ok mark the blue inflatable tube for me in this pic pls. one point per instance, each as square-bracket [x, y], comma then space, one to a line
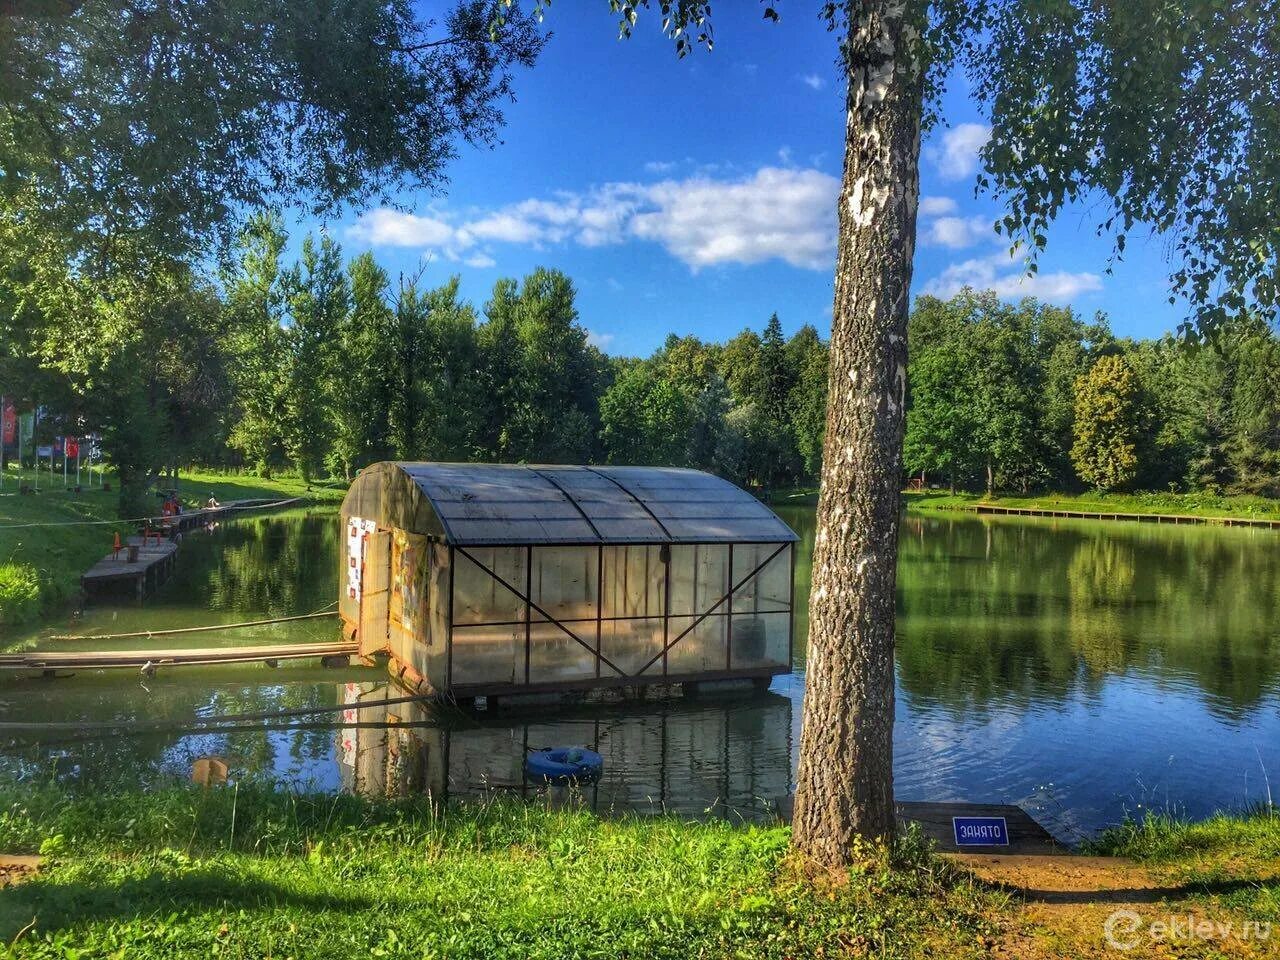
[564, 765]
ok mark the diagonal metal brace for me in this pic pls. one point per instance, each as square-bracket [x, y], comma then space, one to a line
[550, 619]
[711, 609]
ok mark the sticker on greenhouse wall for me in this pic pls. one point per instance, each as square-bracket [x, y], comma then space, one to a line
[980, 831]
[356, 530]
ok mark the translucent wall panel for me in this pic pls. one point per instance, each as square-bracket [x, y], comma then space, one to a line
[700, 650]
[634, 582]
[770, 589]
[630, 644]
[761, 640]
[410, 561]
[480, 598]
[430, 658]
[699, 577]
[488, 654]
[554, 656]
[564, 582]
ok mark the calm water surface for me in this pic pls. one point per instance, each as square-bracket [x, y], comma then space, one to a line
[1083, 670]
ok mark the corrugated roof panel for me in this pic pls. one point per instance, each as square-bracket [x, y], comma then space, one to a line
[516, 504]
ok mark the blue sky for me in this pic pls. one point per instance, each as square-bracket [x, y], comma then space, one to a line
[698, 196]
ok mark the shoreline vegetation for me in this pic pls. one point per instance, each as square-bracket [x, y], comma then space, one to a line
[247, 870]
[40, 566]
[1166, 504]
[1151, 503]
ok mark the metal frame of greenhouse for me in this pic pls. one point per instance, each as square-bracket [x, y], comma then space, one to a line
[487, 579]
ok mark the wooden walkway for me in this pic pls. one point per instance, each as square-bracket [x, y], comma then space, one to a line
[114, 573]
[55, 660]
[1026, 836]
[991, 508]
[155, 562]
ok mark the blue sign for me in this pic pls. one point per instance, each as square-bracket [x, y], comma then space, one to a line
[980, 831]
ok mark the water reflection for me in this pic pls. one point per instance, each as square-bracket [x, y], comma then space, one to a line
[1006, 612]
[1079, 668]
[728, 757]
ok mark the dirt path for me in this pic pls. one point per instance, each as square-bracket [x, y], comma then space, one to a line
[16, 867]
[1077, 906]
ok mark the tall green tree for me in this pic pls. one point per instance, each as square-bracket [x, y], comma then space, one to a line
[455, 400]
[407, 385]
[361, 392]
[548, 377]
[807, 360]
[255, 313]
[1106, 424]
[318, 301]
[646, 418]
[164, 120]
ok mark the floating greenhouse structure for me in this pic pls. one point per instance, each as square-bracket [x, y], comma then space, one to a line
[491, 580]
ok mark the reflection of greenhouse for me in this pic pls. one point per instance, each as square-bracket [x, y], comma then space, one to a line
[682, 756]
[481, 579]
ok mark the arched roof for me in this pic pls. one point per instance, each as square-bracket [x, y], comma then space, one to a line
[488, 504]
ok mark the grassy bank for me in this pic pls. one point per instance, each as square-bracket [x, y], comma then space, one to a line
[40, 566]
[260, 873]
[255, 872]
[1181, 504]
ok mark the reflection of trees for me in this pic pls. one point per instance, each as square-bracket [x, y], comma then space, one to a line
[974, 629]
[268, 566]
[1015, 610]
[1102, 601]
[102, 757]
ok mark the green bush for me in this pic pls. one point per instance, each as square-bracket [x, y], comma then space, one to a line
[19, 593]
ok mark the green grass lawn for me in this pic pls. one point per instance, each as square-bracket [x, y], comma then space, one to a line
[257, 873]
[40, 566]
[1184, 504]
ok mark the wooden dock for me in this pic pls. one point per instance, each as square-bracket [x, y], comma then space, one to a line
[114, 573]
[59, 660]
[1026, 836]
[155, 562]
[1270, 523]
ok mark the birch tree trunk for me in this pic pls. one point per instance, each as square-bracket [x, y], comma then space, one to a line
[845, 780]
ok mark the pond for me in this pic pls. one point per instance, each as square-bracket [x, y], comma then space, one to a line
[1084, 670]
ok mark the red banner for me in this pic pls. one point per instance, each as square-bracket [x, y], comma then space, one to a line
[8, 425]
[72, 447]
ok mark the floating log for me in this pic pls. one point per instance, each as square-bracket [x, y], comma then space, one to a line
[48, 660]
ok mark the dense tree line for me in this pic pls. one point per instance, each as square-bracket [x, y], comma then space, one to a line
[1028, 396]
[325, 366]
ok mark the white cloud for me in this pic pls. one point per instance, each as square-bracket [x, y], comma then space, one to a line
[813, 81]
[936, 206]
[659, 166]
[394, 228]
[957, 232]
[1005, 276]
[957, 156]
[775, 213]
[787, 215]
[600, 341]
[481, 261]
[784, 156]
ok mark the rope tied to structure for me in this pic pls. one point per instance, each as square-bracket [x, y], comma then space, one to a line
[211, 511]
[202, 629]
